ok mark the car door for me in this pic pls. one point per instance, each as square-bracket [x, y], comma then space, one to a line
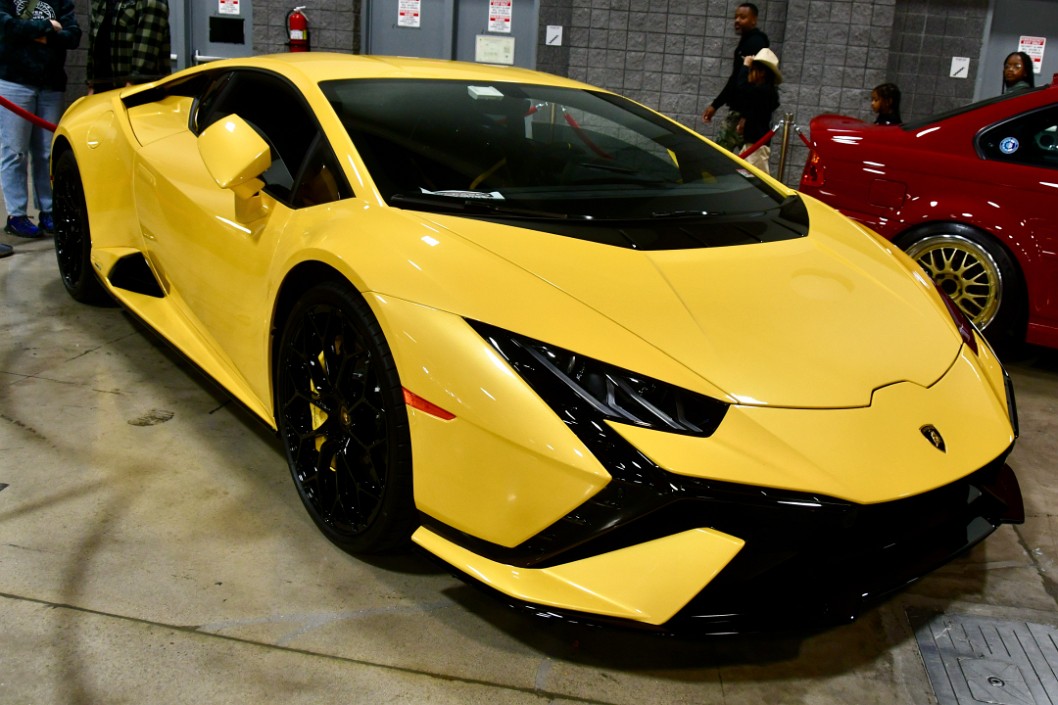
[214, 268]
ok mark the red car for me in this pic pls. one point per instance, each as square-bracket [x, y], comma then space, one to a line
[971, 195]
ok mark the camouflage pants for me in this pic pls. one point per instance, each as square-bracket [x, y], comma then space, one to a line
[727, 134]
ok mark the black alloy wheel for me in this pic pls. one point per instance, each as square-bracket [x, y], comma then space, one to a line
[73, 241]
[341, 415]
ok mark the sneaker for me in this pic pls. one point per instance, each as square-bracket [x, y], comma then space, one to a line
[6, 250]
[21, 226]
[46, 223]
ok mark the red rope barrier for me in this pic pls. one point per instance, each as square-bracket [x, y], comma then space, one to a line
[22, 112]
[758, 144]
[579, 132]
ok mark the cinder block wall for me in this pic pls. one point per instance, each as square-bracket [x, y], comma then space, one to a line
[675, 56]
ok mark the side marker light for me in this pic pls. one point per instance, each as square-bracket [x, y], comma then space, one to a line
[416, 402]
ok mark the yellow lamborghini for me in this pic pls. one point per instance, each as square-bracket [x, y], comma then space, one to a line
[562, 343]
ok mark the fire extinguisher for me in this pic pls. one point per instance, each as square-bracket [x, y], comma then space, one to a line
[298, 29]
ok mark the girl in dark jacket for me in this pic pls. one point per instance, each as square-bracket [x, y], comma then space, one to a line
[1018, 72]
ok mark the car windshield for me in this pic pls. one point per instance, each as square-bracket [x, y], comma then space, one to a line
[538, 152]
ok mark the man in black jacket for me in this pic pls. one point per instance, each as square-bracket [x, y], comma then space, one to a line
[751, 41]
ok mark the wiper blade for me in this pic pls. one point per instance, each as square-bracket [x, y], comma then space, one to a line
[426, 201]
[686, 214]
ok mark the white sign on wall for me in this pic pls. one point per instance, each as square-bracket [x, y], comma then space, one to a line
[1033, 46]
[228, 7]
[960, 67]
[408, 13]
[494, 50]
[500, 16]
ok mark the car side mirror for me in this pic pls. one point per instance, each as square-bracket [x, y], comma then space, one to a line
[235, 156]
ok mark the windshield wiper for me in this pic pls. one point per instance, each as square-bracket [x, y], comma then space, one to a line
[471, 205]
[686, 214]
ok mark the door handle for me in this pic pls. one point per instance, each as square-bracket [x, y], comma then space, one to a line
[202, 58]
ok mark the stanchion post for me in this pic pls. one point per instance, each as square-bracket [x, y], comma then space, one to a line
[787, 123]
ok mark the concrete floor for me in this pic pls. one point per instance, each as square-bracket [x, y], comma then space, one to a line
[153, 550]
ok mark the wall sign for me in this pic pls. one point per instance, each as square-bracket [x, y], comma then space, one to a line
[408, 13]
[494, 50]
[960, 67]
[500, 16]
[1033, 46]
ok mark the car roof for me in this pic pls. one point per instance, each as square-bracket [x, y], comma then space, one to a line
[326, 66]
[1017, 96]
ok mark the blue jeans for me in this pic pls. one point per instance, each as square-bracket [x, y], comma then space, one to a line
[20, 139]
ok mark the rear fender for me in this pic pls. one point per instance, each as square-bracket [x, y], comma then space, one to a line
[919, 212]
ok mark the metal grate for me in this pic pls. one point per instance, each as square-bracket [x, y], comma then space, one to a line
[972, 660]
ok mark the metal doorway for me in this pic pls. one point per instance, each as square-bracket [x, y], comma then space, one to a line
[487, 31]
[207, 30]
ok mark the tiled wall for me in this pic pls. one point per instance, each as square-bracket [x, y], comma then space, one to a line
[334, 25]
[927, 34]
[676, 55]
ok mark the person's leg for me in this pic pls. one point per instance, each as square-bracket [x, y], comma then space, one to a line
[14, 147]
[727, 135]
[49, 107]
[760, 158]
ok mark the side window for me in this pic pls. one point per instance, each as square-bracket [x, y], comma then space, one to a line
[321, 180]
[279, 114]
[204, 112]
[1027, 139]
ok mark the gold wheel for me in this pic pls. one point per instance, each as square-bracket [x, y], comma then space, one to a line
[965, 271]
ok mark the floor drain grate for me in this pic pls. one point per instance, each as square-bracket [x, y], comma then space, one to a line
[972, 660]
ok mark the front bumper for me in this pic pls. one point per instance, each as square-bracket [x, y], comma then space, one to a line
[797, 562]
[826, 570]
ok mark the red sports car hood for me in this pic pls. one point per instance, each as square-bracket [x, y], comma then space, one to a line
[815, 322]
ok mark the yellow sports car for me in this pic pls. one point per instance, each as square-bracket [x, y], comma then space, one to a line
[562, 343]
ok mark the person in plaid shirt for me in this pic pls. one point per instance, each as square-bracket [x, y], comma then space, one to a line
[128, 42]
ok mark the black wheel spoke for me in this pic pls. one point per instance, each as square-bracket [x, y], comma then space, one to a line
[334, 415]
[73, 242]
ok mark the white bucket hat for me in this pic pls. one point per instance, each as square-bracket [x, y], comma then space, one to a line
[769, 59]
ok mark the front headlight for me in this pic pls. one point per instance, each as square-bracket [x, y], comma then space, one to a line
[566, 381]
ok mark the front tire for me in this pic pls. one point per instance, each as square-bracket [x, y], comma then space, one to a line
[976, 272]
[73, 240]
[341, 415]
